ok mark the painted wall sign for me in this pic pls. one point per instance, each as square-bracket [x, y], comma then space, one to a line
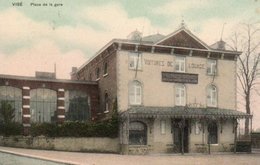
[196, 66]
[180, 77]
[171, 64]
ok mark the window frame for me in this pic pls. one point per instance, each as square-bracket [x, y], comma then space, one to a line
[213, 131]
[136, 58]
[40, 98]
[105, 69]
[73, 109]
[135, 133]
[163, 127]
[212, 92]
[135, 96]
[97, 73]
[179, 90]
[211, 67]
[180, 62]
[106, 103]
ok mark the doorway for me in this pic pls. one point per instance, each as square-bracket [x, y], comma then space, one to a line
[180, 130]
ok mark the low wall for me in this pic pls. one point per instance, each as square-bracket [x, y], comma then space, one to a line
[256, 139]
[63, 144]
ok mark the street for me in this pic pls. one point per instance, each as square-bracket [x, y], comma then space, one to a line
[106, 159]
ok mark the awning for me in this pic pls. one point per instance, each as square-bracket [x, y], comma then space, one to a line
[182, 112]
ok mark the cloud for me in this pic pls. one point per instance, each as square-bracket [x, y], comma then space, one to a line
[36, 45]
[114, 20]
[180, 7]
[41, 57]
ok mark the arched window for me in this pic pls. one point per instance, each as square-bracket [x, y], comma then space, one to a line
[12, 96]
[213, 133]
[135, 93]
[77, 107]
[137, 133]
[43, 105]
[106, 103]
[212, 96]
[180, 95]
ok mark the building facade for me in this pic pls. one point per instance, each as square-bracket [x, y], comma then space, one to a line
[45, 99]
[174, 93]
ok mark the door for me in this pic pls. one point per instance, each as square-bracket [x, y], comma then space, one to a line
[180, 130]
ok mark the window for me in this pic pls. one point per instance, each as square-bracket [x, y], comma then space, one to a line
[97, 73]
[77, 106]
[12, 96]
[105, 69]
[180, 95]
[135, 61]
[212, 96]
[180, 64]
[106, 103]
[213, 133]
[43, 105]
[163, 126]
[212, 67]
[197, 127]
[135, 93]
[90, 76]
[137, 133]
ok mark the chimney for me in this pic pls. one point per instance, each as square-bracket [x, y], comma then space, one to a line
[73, 73]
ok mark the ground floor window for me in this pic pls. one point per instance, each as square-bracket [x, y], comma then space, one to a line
[137, 133]
[11, 96]
[213, 133]
[43, 105]
[77, 106]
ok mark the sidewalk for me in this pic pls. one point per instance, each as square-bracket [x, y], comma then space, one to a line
[107, 159]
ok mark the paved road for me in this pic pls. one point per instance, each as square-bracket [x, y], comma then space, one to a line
[107, 159]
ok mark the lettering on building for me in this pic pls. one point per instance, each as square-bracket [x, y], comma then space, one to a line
[196, 66]
[180, 77]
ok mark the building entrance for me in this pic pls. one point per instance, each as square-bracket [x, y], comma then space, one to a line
[180, 130]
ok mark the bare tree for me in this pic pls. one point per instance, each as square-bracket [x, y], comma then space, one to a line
[246, 39]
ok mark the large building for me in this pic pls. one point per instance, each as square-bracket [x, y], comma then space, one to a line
[174, 93]
[45, 99]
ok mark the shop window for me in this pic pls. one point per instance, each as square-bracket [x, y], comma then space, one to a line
[213, 133]
[77, 106]
[135, 60]
[211, 67]
[12, 96]
[163, 126]
[43, 105]
[212, 96]
[180, 95]
[135, 93]
[180, 64]
[137, 133]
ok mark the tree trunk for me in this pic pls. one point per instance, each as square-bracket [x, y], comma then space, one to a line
[248, 111]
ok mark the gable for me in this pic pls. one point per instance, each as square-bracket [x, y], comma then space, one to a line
[183, 39]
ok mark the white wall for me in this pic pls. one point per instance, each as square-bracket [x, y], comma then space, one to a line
[158, 93]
